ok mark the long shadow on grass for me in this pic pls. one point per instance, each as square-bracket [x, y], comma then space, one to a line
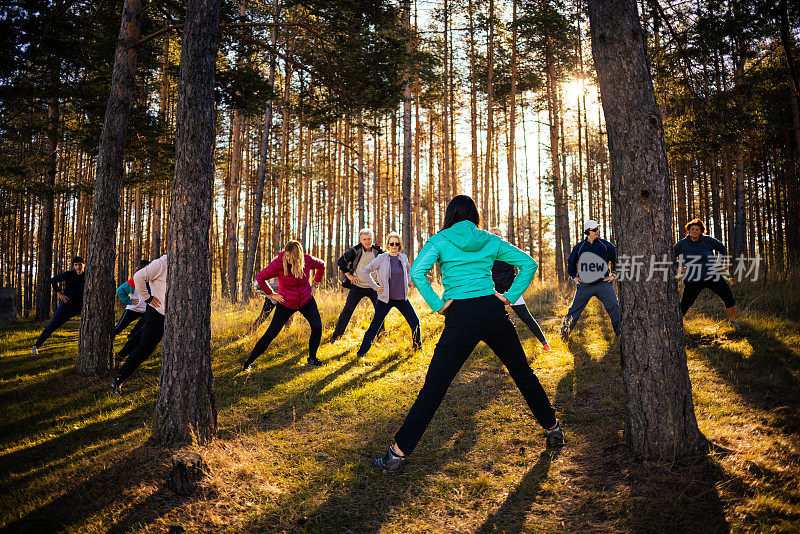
[614, 489]
[305, 401]
[104, 492]
[510, 517]
[766, 379]
[366, 498]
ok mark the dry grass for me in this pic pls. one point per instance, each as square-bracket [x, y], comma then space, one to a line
[294, 442]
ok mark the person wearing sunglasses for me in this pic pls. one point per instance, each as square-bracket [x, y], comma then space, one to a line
[474, 311]
[392, 269]
[503, 275]
[588, 266]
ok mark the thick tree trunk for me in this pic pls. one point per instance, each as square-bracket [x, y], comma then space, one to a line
[793, 174]
[408, 222]
[44, 269]
[660, 420]
[95, 341]
[185, 408]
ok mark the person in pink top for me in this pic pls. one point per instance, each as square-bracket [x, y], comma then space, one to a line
[292, 269]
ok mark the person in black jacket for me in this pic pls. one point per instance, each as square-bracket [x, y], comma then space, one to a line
[503, 275]
[588, 266]
[70, 300]
[352, 264]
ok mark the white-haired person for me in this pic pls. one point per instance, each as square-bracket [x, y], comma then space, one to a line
[292, 268]
[352, 264]
[392, 270]
[503, 275]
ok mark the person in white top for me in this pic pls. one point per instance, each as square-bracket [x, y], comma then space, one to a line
[134, 304]
[151, 283]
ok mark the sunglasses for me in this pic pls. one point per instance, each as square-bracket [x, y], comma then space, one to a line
[594, 229]
[395, 244]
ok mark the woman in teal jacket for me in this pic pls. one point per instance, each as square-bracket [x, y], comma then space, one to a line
[473, 312]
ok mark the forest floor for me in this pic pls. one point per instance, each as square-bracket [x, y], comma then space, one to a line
[294, 443]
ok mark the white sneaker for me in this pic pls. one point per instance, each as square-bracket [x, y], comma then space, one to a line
[34, 351]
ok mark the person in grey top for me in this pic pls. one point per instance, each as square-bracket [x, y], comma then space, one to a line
[352, 264]
[698, 253]
[392, 269]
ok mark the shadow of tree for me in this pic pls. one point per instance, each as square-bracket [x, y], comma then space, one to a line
[510, 517]
[611, 489]
[102, 493]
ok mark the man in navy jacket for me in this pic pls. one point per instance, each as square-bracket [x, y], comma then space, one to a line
[588, 266]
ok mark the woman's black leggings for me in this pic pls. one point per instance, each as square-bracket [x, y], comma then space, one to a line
[691, 290]
[146, 338]
[282, 314]
[128, 316]
[524, 313]
[467, 322]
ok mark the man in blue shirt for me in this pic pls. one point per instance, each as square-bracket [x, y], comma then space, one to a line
[588, 266]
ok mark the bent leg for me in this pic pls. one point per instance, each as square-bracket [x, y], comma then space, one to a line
[691, 290]
[63, 313]
[282, 314]
[407, 309]
[583, 295]
[381, 310]
[150, 336]
[311, 312]
[354, 296]
[128, 316]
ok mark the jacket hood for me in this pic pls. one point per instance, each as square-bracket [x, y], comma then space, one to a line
[466, 236]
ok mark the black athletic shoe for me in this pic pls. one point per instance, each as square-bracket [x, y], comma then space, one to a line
[116, 386]
[314, 361]
[555, 436]
[389, 463]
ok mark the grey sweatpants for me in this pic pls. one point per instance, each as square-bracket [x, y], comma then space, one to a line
[604, 291]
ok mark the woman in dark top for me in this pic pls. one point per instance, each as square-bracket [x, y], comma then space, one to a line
[392, 269]
[71, 300]
[503, 275]
[698, 252]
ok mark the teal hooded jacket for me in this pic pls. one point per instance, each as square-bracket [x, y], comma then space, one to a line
[466, 255]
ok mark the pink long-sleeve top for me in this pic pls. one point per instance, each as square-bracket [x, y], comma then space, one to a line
[296, 291]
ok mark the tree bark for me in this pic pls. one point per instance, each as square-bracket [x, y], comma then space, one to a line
[408, 222]
[248, 269]
[512, 126]
[47, 221]
[487, 178]
[659, 412]
[186, 409]
[95, 341]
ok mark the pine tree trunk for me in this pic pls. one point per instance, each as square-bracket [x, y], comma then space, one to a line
[487, 178]
[248, 269]
[512, 126]
[659, 412]
[95, 341]
[185, 407]
[408, 222]
[47, 222]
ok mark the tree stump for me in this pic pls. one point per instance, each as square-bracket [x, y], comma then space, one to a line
[188, 468]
